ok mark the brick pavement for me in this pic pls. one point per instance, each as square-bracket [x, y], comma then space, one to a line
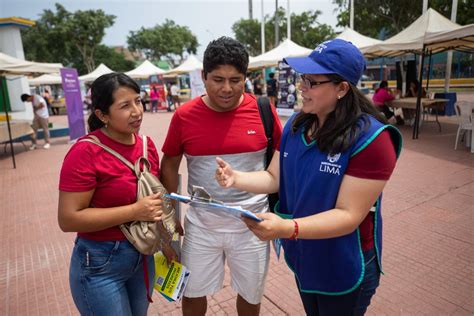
[428, 254]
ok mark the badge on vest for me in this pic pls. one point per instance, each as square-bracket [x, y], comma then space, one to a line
[331, 165]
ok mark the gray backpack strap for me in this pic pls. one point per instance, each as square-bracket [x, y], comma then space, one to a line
[94, 140]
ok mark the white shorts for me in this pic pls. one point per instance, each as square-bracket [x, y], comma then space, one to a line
[204, 253]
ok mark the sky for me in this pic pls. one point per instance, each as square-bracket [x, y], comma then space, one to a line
[207, 19]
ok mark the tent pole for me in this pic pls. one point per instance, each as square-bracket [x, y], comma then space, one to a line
[5, 96]
[429, 71]
[416, 126]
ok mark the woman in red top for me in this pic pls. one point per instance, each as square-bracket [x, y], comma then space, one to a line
[97, 193]
[381, 97]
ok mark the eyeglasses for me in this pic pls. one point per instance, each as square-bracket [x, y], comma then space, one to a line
[310, 83]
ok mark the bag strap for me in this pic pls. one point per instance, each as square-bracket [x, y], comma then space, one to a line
[94, 140]
[266, 114]
[145, 148]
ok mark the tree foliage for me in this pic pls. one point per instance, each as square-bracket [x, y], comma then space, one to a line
[167, 40]
[305, 30]
[113, 59]
[87, 29]
[371, 16]
[67, 38]
[47, 40]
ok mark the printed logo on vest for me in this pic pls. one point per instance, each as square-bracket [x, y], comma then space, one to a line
[334, 158]
[285, 154]
[331, 166]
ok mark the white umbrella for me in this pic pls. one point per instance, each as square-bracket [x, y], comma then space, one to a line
[96, 73]
[271, 58]
[145, 70]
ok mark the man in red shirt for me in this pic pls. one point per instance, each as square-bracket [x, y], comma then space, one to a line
[224, 122]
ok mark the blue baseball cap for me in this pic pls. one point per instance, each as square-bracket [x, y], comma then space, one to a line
[336, 56]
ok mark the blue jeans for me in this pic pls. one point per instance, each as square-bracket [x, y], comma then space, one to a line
[354, 303]
[107, 278]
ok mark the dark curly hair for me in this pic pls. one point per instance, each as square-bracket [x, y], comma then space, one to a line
[225, 51]
[102, 95]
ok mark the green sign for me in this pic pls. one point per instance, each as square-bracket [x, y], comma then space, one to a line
[4, 98]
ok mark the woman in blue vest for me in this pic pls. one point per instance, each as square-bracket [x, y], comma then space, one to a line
[336, 155]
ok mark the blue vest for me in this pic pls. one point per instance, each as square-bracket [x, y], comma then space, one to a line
[309, 184]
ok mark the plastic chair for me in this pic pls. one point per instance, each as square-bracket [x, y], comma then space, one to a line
[466, 121]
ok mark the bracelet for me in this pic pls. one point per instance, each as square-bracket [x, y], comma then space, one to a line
[295, 232]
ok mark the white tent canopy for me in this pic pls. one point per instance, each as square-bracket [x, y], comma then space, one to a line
[14, 66]
[45, 79]
[96, 73]
[190, 64]
[412, 39]
[359, 40]
[461, 39]
[145, 70]
[271, 58]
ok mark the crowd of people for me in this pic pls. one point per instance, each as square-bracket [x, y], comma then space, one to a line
[328, 218]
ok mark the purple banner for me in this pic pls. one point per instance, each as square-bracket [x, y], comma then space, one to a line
[72, 94]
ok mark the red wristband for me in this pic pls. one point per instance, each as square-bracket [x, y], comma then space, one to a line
[295, 232]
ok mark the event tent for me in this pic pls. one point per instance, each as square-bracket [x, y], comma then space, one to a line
[461, 39]
[96, 73]
[412, 39]
[145, 70]
[14, 66]
[359, 40]
[425, 37]
[287, 48]
[190, 64]
[45, 79]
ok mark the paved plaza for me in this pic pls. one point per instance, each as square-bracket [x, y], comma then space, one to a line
[428, 234]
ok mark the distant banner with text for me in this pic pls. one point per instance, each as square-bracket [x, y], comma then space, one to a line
[74, 107]
[287, 90]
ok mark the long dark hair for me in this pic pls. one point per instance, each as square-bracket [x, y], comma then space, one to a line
[341, 128]
[102, 95]
[383, 84]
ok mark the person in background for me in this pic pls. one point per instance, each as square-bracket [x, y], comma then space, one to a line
[97, 193]
[409, 114]
[248, 84]
[413, 91]
[88, 101]
[154, 99]
[381, 97]
[145, 99]
[258, 85]
[175, 95]
[169, 98]
[225, 121]
[334, 160]
[47, 97]
[40, 119]
[272, 88]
